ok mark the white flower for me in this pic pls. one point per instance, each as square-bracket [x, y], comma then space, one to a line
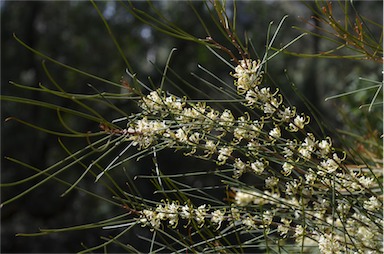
[243, 198]
[161, 212]
[212, 115]
[299, 233]
[168, 211]
[367, 236]
[142, 125]
[249, 222]
[152, 102]
[271, 106]
[267, 217]
[310, 177]
[195, 138]
[226, 118]
[325, 147]
[248, 66]
[174, 104]
[305, 152]
[258, 167]
[343, 209]
[287, 169]
[275, 133]
[210, 147]
[283, 229]
[189, 114]
[264, 94]
[286, 115]
[299, 121]
[239, 133]
[240, 167]
[143, 132]
[329, 245]
[200, 214]
[217, 217]
[224, 154]
[291, 187]
[248, 75]
[372, 204]
[151, 218]
[181, 135]
[235, 214]
[288, 153]
[366, 182]
[251, 97]
[329, 165]
[309, 142]
[186, 212]
[157, 127]
[172, 211]
[271, 182]
[336, 158]
[256, 126]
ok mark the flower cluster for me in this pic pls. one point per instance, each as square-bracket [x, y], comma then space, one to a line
[302, 173]
[171, 212]
[201, 215]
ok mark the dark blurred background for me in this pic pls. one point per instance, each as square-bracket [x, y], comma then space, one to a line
[73, 33]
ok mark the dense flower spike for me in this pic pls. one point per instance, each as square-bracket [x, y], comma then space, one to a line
[304, 177]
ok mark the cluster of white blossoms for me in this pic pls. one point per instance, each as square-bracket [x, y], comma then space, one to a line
[304, 177]
[202, 215]
[172, 212]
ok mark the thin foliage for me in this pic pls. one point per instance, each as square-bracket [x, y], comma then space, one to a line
[269, 183]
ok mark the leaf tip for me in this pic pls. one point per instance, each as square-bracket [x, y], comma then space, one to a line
[9, 119]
